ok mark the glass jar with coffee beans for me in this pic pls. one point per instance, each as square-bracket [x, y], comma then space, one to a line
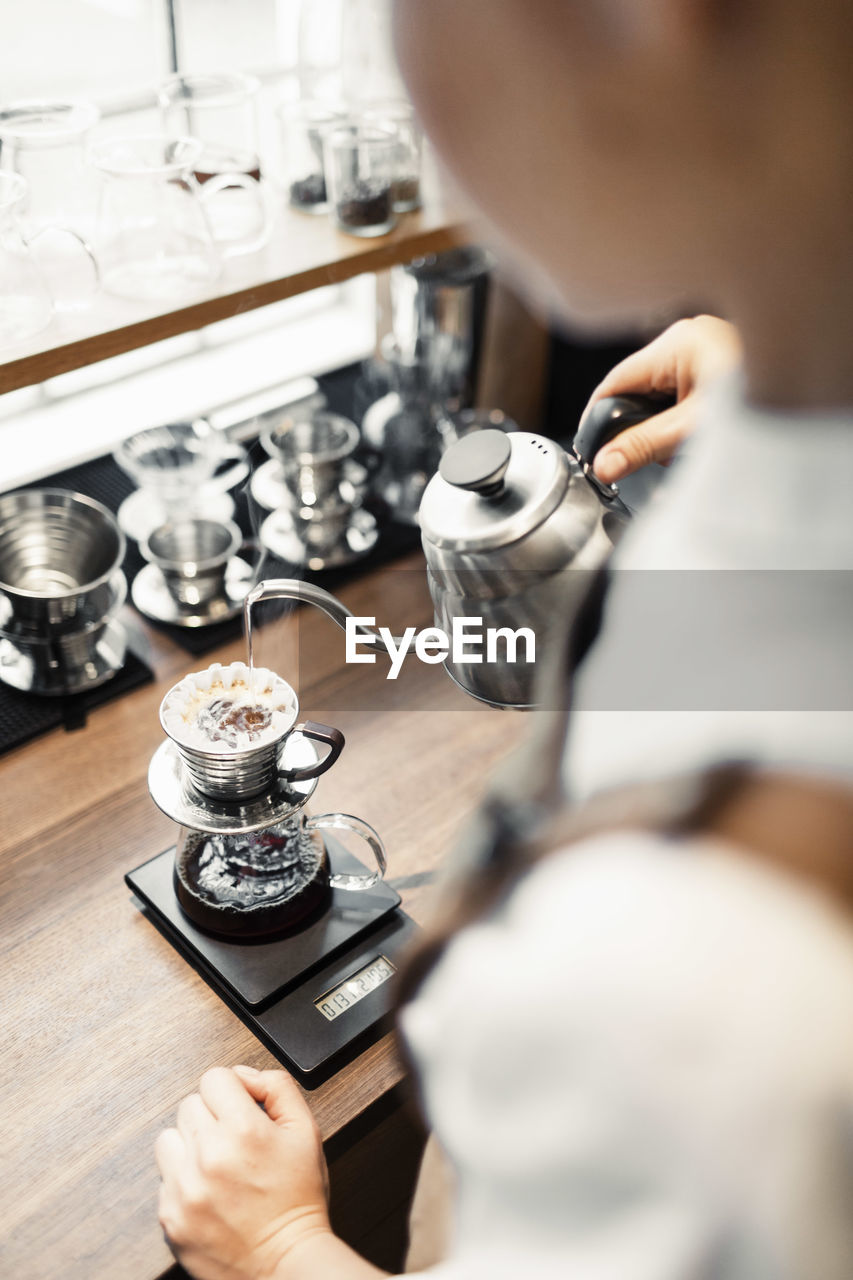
[360, 167]
[398, 116]
[303, 126]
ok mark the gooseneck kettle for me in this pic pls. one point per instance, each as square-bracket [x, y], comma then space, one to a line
[512, 526]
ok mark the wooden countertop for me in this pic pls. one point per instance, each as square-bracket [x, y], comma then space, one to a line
[106, 1028]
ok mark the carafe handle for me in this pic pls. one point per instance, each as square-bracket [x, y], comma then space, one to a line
[222, 481]
[347, 822]
[85, 249]
[333, 739]
[214, 186]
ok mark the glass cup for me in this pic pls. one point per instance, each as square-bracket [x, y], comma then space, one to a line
[44, 141]
[220, 110]
[398, 116]
[303, 127]
[153, 241]
[360, 160]
[26, 306]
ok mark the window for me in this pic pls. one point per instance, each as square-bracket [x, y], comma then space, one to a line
[115, 52]
[103, 50]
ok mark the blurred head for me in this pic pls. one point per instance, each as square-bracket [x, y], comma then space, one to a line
[642, 152]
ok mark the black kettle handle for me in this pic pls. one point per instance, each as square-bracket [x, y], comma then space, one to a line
[608, 417]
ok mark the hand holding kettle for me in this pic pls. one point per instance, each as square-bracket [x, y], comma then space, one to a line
[678, 362]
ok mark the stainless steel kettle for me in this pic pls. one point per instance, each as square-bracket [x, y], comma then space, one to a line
[511, 526]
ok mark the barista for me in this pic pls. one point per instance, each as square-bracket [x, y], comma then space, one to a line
[641, 1062]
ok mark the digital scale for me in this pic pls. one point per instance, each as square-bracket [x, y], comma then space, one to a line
[315, 997]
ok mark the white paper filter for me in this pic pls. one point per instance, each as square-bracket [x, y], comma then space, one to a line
[183, 712]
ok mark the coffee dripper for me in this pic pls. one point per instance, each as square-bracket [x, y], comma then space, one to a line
[182, 470]
[320, 520]
[249, 862]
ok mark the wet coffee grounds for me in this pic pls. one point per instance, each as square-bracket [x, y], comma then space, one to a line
[222, 721]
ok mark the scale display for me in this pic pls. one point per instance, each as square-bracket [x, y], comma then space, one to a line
[335, 1002]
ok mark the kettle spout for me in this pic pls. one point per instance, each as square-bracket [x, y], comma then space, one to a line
[307, 593]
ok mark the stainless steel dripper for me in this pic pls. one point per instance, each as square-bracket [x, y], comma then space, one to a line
[61, 588]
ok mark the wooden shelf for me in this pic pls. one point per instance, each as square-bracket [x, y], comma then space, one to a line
[303, 253]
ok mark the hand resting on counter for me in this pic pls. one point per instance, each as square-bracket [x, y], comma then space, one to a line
[244, 1194]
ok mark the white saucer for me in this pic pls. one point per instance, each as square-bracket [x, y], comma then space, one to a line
[141, 513]
[153, 599]
[279, 535]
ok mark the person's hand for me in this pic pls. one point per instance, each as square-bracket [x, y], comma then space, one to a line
[679, 361]
[242, 1187]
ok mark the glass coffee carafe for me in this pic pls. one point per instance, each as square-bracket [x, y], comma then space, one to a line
[262, 882]
[219, 110]
[44, 140]
[406, 429]
[153, 239]
[26, 306]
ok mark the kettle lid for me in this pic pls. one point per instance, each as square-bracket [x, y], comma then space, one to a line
[493, 488]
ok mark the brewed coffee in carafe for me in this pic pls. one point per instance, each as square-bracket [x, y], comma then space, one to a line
[252, 883]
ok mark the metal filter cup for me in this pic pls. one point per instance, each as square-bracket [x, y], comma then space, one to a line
[235, 777]
[193, 557]
[58, 663]
[59, 552]
[237, 760]
[313, 454]
[241, 768]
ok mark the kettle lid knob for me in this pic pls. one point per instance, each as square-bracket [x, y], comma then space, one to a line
[478, 462]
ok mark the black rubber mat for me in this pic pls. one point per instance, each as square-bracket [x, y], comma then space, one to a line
[105, 481]
[26, 715]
